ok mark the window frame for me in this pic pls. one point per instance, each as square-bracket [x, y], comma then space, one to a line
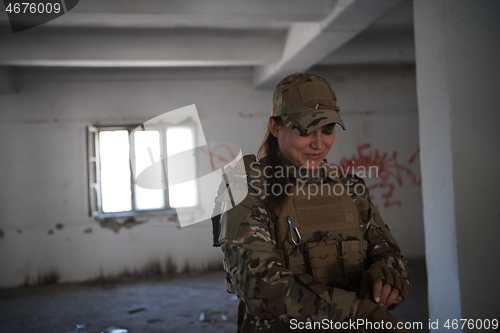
[94, 167]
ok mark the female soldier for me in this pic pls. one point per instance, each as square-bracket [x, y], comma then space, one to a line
[306, 249]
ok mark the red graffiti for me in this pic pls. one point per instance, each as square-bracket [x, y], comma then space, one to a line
[219, 159]
[389, 171]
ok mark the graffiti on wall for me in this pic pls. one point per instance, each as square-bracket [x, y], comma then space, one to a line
[220, 154]
[390, 172]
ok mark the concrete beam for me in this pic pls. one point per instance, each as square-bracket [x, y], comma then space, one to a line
[255, 14]
[206, 7]
[137, 50]
[308, 43]
[372, 48]
[172, 21]
[6, 80]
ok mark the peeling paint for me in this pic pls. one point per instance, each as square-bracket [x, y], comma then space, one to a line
[27, 280]
[187, 268]
[171, 267]
[51, 277]
[172, 218]
[152, 269]
[116, 223]
[25, 270]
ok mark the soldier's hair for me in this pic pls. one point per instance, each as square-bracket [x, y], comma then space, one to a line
[269, 149]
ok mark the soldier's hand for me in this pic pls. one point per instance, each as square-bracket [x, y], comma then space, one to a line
[385, 294]
[384, 285]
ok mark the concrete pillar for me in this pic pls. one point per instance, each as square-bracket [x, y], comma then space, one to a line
[6, 80]
[458, 84]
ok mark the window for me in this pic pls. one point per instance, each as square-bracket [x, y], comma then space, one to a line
[117, 155]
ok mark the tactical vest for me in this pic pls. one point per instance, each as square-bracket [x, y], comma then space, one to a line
[317, 232]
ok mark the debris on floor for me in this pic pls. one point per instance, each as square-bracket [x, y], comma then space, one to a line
[136, 310]
[155, 320]
[177, 301]
[204, 316]
[79, 328]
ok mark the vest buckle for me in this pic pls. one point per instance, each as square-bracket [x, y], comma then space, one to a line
[291, 228]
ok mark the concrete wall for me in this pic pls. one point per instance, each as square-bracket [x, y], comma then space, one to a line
[45, 228]
[458, 77]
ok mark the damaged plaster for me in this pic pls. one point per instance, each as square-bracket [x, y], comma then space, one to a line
[116, 223]
[49, 277]
[155, 269]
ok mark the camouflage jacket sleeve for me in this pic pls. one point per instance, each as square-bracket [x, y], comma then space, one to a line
[382, 246]
[267, 288]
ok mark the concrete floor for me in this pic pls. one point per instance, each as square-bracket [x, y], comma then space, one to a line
[190, 303]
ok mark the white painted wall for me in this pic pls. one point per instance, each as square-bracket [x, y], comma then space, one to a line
[44, 170]
[458, 76]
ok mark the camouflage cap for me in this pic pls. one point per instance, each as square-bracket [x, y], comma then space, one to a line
[305, 102]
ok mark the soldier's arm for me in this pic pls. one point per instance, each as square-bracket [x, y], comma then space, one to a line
[267, 288]
[383, 248]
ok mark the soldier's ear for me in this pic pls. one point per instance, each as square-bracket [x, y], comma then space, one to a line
[273, 127]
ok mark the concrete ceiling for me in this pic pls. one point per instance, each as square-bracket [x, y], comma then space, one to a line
[273, 37]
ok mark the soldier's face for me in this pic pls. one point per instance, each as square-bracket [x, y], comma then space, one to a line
[304, 151]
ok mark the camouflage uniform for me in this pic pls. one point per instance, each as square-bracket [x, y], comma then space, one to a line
[270, 295]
